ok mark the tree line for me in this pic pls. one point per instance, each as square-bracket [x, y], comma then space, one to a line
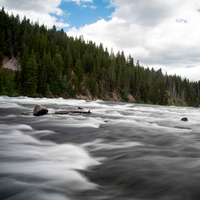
[54, 63]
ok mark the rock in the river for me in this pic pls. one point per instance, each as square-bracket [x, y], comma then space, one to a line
[24, 113]
[185, 119]
[39, 110]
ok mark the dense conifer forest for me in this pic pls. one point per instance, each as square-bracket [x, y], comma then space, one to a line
[55, 64]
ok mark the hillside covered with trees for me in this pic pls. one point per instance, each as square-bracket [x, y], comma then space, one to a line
[53, 63]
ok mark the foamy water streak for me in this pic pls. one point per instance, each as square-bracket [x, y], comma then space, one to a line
[30, 167]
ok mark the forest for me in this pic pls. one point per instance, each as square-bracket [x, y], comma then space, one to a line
[55, 64]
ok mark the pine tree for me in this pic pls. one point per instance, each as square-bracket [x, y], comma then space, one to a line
[112, 75]
[163, 100]
[94, 71]
[120, 78]
[45, 72]
[2, 41]
[76, 52]
[150, 92]
[1, 82]
[143, 91]
[98, 71]
[24, 70]
[30, 79]
[1, 59]
[57, 66]
[70, 90]
[68, 62]
[77, 85]
[79, 70]
[96, 90]
[15, 49]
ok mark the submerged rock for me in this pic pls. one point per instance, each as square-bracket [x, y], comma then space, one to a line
[39, 110]
[24, 113]
[185, 119]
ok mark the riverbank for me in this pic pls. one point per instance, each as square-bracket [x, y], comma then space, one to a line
[12, 66]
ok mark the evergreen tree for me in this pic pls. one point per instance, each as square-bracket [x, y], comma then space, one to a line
[98, 71]
[112, 75]
[15, 49]
[2, 41]
[163, 100]
[45, 72]
[77, 85]
[79, 70]
[1, 82]
[1, 59]
[96, 90]
[155, 95]
[24, 69]
[30, 79]
[143, 91]
[57, 66]
[70, 90]
[120, 78]
[68, 62]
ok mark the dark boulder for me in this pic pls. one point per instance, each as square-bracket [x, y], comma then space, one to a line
[185, 119]
[39, 110]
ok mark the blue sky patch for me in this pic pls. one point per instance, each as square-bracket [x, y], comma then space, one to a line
[190, 66]
[85, 13]
[181, 20]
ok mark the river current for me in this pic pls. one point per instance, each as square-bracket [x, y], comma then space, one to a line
[120, 151]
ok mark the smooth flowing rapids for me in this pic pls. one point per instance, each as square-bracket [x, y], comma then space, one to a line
[120, 151]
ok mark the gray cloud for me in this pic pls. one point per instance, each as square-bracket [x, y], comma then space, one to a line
[78, 2]
[23, 5]
[143, 12]
[38, 6]
[37, 10]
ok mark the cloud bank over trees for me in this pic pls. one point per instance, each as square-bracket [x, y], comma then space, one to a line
[160, 34]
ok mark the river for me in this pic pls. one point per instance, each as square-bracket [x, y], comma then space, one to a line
[120, 151]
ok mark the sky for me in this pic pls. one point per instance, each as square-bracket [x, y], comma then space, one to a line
[159, 33]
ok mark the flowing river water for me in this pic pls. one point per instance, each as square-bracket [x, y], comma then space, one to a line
[120, 151]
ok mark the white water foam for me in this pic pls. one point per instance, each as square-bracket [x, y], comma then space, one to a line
[99, 144]
[26, 159]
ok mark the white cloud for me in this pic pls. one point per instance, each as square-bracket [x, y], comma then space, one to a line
[37, 10]
[150, 32]
[92, 7]
[78, 2]
[190, 73]
[147, 13]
